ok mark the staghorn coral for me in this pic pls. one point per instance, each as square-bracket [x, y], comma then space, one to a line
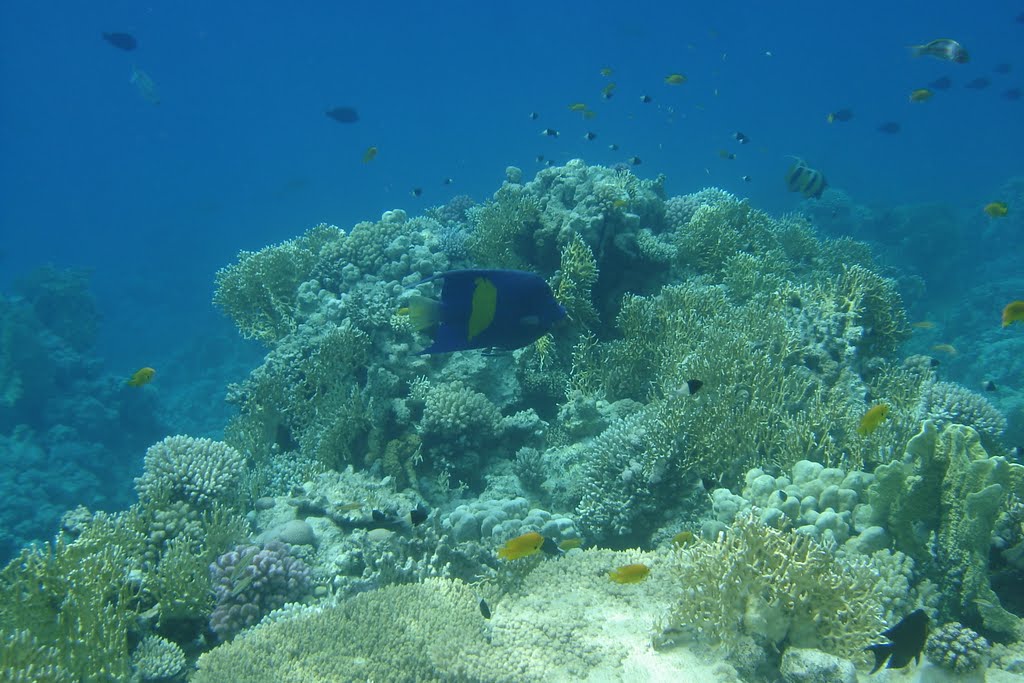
[775, 587]
[198, 471]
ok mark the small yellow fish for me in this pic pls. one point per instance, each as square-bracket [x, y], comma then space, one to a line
[141, 376]
[629, 573]
[945, 348]
[608, 90]
[921, 95]
[685, 537]
[1013, 313]
[619, 203]
[349, 507]
[570, 543]
[996, 209]
[577, 106]
[872, 418]
[923, 325]
[369, 155]
[521, 546]
[589, 114]
[675, 79]
[606, 71]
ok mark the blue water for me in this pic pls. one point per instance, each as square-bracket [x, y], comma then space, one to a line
[238, 154]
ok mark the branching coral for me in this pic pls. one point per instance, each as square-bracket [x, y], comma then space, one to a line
[503, 228]
[773, 586]
[259, 292]
[949, 403]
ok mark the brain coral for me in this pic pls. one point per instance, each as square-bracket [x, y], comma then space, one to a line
[198, 471]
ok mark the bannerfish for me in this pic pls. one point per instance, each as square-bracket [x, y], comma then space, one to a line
[842, 115]
[343, 114]
[141, 376]
[504, 309]
[803, 179]
[145, 85]
[943, 48]
[907, 641]
[124, 41]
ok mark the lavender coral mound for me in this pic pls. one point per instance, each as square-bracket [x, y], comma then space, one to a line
[250, 582]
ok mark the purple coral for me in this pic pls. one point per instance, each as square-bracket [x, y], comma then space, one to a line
[249, 582]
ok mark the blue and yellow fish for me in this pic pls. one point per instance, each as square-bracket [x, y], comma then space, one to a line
[502, 309]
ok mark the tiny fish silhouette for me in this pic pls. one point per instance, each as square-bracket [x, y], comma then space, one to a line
[343, 114]
[124, 41]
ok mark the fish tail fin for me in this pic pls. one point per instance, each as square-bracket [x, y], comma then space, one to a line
[915, 50]
[881, 652]
[423, 313]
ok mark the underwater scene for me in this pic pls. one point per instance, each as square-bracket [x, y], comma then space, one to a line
[477, 342]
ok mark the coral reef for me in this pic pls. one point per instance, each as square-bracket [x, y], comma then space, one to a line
[157, 659]
[940, 503]
[775, 587]
[250, 582]
[957, 648]
[196, 471]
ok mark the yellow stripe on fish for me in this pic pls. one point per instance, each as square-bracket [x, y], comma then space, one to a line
[483, 306]
[802, 178]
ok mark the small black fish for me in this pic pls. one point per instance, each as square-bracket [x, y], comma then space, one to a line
[842, 115]
[908, 638]
[1013, 94]
[783, 496]
[549, 547]
[447, 181]
[419, 514]
[691, 387]
[745, 178]
[589, 135]
[484, 609]
[539, 158]
[613, 147]
[1003, 68]
[943, 83]
[934, 362]
[646, 99]
[550, 132]
[125, 41]
[416, 192]
[890, 127]
[343, 114]
[534, 116]
[741, 138]
[990, 386]
[1017, 452]
[634, 161]
[979, 83]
